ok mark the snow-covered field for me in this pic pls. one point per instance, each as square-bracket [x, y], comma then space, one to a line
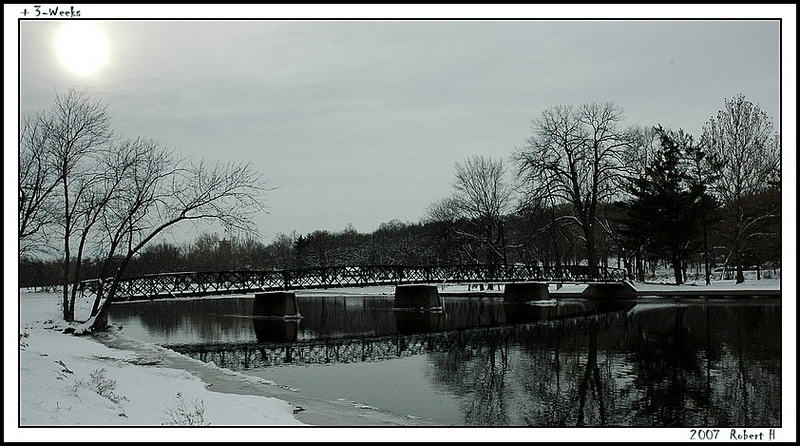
[68, 381]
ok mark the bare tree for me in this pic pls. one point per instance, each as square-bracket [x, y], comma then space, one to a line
[444, 210]
[249, 252]
[482, 198]
[575, 156]
[704, 171]
[317, 249]
[116, 196]
[72, 130]
[158, 192]
[443, 235]
[643, 150]
[95, 188]
[398, 243]
[741, 137]
[282, 251]
[38, 180]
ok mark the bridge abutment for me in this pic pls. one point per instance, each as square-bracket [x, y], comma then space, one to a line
[276, 304]
[417, 297]
[521, 292]
[616, 290]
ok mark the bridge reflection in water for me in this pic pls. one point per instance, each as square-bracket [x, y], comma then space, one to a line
[465, 325]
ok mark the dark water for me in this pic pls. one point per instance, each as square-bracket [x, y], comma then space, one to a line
[662, 362]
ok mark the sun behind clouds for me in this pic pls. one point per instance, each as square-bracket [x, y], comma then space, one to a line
[82, 47]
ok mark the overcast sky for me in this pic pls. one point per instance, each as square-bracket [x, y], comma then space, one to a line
[362, 121]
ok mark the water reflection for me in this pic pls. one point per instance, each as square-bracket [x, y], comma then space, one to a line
[276, 331]
[418, 322]
[220, 320]
[578, 363]
[676, 366]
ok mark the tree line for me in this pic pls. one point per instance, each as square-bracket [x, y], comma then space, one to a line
[583, 189]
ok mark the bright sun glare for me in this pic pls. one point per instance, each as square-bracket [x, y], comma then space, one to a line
[82, 47]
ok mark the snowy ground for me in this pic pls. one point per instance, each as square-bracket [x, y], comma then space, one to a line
[114, 381]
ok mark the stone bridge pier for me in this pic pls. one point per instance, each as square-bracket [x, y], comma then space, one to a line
[613, 290]
[417, 298]
[276, 305]
[521, 292]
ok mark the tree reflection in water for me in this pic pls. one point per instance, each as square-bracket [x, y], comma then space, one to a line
[695, 365]
[591, 379]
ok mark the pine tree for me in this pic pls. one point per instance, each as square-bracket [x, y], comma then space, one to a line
[664, 216]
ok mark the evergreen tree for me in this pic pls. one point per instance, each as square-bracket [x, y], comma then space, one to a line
[663, 217]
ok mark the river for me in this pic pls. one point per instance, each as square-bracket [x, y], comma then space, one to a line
[655, 362]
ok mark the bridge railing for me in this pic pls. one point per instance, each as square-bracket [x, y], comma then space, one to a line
[226, 282]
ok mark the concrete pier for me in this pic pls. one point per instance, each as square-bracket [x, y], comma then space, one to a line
[521, 292]
[276, 304]
[618, 290]
[417, 298]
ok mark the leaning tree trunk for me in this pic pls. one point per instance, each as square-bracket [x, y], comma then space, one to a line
[100, 322]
